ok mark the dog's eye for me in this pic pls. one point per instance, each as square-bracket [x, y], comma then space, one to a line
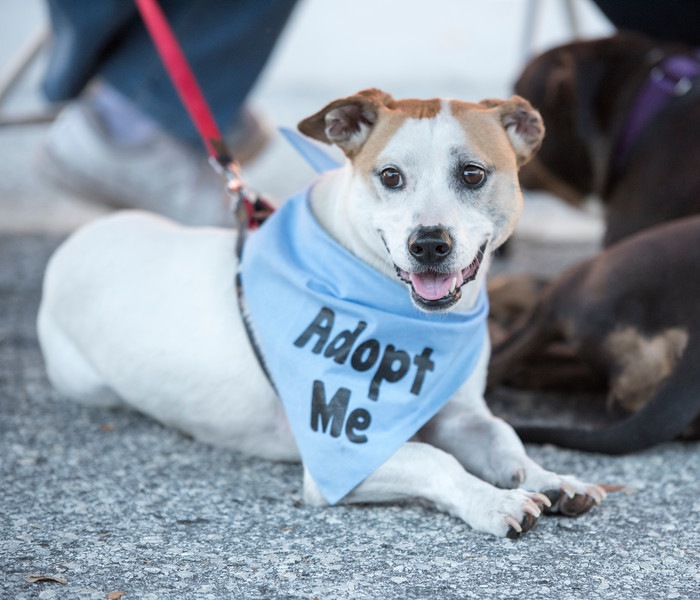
[473, 175]
[391, 178]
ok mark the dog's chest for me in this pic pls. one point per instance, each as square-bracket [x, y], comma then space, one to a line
[358, 367]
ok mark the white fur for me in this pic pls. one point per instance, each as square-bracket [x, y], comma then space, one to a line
[141, 311]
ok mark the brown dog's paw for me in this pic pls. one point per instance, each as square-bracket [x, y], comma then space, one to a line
[566, 495]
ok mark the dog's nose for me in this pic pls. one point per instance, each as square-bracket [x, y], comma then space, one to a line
[430, 245]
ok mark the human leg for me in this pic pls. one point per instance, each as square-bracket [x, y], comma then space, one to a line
[128, 141]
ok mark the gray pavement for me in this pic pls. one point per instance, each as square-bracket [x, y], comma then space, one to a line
[111, 502]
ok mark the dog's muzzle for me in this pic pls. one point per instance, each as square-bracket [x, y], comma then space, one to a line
[433, 288]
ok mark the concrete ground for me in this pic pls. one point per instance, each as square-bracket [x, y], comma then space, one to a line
[111, 504]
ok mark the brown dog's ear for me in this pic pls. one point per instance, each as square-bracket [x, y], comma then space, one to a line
[522, 123]
[347, 122]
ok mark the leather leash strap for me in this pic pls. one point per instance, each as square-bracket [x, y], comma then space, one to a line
[250, 209]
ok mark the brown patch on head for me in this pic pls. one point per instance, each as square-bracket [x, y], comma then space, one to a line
[416, 109]
[350, 122]
[483, 129]
[392, 116]
[385, 129]
[373, 115]
[507, 131]
[503, 133]
[642, 364]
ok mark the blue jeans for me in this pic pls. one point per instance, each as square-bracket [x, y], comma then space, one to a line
[227, 43]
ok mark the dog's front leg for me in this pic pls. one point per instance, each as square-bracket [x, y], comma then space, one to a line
[421, 471]
[488, 447]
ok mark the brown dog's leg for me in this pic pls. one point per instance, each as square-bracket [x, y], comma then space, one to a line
[532, 333]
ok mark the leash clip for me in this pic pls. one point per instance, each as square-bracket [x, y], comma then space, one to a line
[249, 208]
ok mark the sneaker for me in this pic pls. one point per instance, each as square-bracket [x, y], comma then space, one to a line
[162, 174]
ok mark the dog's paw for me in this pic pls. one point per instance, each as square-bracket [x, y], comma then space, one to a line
[568, 495]
[511, 513]
[573, 497]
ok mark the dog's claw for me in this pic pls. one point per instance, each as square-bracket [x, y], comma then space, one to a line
[542, 499]
[532, 509]
[598, 493]
[514, 528]
[569, 490]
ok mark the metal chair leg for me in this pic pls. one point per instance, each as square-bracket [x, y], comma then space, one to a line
[15, 70]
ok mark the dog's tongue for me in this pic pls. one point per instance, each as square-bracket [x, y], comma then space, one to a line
[433, 286]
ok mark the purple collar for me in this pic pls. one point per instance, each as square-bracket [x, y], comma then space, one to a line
[673, 77]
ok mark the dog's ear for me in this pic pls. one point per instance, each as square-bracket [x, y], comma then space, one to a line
[347, 122]
[522, 123]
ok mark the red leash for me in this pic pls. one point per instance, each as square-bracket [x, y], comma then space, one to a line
[250, 209]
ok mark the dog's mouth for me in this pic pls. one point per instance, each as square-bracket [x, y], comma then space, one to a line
[435, 290]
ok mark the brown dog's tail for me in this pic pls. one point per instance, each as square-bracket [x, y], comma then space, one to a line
[670, 411]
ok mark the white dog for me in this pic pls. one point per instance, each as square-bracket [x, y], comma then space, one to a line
[140, 311]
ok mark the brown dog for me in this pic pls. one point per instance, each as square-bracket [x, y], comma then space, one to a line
[623, 123]
[631, 313]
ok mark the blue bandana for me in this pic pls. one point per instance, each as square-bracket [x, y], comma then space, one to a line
[359, 368]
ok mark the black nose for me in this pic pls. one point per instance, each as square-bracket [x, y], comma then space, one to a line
[430, 245]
